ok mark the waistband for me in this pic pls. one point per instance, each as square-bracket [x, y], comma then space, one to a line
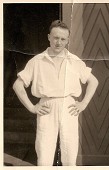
[68, 96]
[65, 98]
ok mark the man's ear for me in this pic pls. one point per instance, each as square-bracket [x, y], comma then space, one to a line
[67, 41]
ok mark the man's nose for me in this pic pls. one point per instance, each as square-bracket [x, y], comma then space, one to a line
[59, 41]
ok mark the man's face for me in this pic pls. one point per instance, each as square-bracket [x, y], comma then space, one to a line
[58, 39]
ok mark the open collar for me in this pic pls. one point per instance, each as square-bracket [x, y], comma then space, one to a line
[64, 54]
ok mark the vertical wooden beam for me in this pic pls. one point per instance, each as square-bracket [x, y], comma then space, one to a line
[66, 13]
[73, 17]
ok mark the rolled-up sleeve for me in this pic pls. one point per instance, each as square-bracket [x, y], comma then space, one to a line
[84, 72]
[27, 74]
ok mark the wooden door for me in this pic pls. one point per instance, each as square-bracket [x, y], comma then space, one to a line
[90, 41]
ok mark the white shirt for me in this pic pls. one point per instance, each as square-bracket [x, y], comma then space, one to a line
[47, 82]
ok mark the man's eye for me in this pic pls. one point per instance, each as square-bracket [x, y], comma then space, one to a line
[56, 38]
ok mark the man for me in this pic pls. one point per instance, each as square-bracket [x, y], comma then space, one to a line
[56, 77]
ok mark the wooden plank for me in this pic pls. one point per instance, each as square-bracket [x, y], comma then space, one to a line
[14, 137]
[28, 125]
[18, 113]
[13, 161]
[93, 160]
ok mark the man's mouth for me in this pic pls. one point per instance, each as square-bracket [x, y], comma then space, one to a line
[58, 46]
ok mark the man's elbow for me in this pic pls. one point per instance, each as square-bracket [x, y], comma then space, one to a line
[17, 85]
[96, 82]
[93, 80]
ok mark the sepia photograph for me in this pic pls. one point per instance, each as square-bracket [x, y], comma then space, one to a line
[56, 84]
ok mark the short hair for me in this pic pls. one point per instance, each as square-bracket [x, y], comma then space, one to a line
[58, 23]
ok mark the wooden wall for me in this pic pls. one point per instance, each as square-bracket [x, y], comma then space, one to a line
[90, 41]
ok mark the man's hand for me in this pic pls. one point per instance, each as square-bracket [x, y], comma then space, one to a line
[41, 109]
[77, 108]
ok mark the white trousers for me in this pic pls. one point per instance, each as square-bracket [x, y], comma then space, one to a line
[48, 126]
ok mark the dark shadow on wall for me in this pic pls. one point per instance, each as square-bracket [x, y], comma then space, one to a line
[25, 34]
[26, 26]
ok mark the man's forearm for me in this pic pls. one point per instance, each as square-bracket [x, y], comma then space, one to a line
[22, 95]
[90, 90]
